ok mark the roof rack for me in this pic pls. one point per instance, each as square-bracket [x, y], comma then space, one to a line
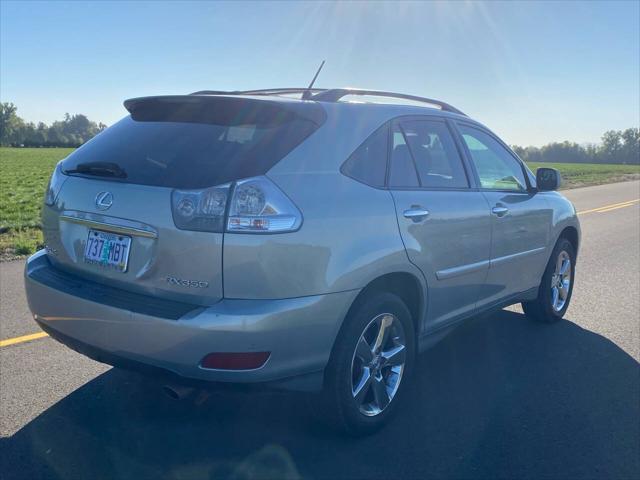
[265, 91]
[334, 95]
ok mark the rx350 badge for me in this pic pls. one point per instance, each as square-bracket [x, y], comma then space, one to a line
[180, 282]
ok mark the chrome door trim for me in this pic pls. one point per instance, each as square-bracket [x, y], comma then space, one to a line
[416, 214]
[111, 227]
[461, 270]
[507, 258]
[499, 211]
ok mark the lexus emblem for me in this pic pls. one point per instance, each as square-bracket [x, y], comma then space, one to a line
[104, 200]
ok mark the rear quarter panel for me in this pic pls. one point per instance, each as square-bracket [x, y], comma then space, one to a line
[348, 238]
[349, 235]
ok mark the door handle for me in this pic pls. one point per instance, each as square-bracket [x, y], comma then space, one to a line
[499, 211]
[416, 214]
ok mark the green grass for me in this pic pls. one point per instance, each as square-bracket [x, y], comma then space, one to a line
[24, 173]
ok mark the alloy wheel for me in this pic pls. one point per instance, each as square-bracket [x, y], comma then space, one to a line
[561, 281]
[378, 364]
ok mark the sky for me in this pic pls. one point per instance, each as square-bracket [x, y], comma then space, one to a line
[534, 72]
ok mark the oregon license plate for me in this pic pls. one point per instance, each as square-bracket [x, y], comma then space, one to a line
[107, 249]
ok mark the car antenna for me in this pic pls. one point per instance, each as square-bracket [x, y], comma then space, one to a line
[306, 95]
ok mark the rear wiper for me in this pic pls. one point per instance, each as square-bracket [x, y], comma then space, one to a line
[102, 169]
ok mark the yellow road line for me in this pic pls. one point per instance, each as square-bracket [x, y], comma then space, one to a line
[24, 338]
[605, 208]
[615, 208]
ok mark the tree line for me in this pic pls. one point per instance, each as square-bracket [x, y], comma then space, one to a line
[72, 131]
[617, 146]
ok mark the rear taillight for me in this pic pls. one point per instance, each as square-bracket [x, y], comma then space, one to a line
[54, 186]
[258, 206]
[253, 205]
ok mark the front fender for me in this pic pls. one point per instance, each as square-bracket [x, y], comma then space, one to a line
[564, 217]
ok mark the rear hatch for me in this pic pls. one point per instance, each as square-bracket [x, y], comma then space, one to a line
[112, 220]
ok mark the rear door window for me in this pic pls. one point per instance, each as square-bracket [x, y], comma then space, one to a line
[194, 145]
[434, 153]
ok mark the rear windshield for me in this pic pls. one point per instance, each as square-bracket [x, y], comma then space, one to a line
[192, 146]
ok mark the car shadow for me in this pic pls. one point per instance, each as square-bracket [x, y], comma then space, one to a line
[500, 397]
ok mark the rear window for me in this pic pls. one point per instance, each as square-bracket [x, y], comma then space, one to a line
[195, 145]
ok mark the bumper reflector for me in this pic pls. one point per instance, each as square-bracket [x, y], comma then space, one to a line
[235, 361]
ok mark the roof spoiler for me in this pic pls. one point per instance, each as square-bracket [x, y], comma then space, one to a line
[223, 107]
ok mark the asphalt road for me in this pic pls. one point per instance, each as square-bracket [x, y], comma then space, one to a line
[501, 397]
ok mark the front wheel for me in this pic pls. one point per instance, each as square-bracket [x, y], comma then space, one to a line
[369, 365]
[556, 287]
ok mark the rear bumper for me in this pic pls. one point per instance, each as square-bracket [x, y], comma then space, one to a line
[299, 332]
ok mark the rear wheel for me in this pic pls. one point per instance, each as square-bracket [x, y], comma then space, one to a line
[369, 365]
[556, 287]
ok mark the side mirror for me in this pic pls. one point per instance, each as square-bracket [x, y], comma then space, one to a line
[548, 179]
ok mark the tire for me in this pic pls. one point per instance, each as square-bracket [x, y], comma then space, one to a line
[546, 307]
[382, 373]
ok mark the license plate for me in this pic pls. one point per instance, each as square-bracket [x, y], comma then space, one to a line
[107, 250]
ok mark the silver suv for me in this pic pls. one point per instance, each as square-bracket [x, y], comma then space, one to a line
[308, 243]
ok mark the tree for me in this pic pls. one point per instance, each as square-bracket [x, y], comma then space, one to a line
[630, 145]
[10, 125]
[73, 131]
[563, 152]
[611, 145]
[56, 136]
[28, 135]
[617, 147]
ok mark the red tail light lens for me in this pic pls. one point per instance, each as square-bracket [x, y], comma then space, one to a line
[235, 361]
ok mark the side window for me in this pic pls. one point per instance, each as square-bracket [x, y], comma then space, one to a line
[435, 154]
[403, 171]
[496, 167]
[368, 164]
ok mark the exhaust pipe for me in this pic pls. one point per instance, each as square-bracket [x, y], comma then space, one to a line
[177, 392]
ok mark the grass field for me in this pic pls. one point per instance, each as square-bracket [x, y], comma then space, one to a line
[24, 173]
